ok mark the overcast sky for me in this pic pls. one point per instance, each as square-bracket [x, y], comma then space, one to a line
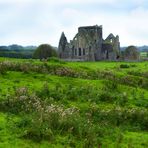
[33, 22]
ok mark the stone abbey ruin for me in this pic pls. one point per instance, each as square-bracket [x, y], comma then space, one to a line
[89, 45]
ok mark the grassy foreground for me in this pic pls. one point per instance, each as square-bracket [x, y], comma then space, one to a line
[73, 104]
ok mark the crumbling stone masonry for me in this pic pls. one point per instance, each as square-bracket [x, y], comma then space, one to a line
[88, 45]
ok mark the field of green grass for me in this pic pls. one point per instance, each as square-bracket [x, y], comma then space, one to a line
[143, 55]
[57, 104]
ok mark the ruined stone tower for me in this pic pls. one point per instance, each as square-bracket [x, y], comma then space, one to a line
[88, 45]
[63, 47]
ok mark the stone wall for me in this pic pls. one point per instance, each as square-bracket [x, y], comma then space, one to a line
[88, 45]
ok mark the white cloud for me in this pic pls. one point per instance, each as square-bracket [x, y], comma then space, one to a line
[81, 1]
[139, 13]
[131, 27]
[36, 21]
[70, 13]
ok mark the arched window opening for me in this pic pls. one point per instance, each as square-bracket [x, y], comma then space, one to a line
[83, 51]
[80, 52]
[73, 50]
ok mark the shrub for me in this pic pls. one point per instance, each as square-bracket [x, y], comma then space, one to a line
[123, 99]
[111, 85]
[107, 96]
[44, 116]
[133, 65]
[56, 60]
[3, 68]
[44, 51]
[131, 53]
[124, 66]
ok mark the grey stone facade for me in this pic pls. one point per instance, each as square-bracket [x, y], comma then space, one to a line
[88, 45]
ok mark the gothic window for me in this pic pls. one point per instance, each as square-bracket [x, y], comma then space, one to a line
[72, 50]
[83, 51]
[79, 51]
[107, 54]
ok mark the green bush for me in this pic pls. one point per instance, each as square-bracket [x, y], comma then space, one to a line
[44, 51]
[56, 60]
[3, 68]
[124, 66]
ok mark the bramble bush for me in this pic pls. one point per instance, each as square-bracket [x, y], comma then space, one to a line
[42, 120]
[43, 116]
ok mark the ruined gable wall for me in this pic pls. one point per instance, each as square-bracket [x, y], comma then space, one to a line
[63, 47]
[113, 51]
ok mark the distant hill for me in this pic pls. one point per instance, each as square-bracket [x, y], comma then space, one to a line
[17, 51]
[143, 48]
[16, 47]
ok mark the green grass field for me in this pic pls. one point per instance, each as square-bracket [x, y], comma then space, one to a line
[61, 104]
[143, 55]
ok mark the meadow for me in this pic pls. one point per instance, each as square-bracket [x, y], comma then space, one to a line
[62, 104]
[144, 55]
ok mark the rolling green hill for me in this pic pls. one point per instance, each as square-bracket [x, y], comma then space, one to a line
[61, 104]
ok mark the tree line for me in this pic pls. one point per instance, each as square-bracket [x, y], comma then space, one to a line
[17, 51]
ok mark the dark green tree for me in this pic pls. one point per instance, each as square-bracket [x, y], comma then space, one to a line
[44, 51]
[132, 53]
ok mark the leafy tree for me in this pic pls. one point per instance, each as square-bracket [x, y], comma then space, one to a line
[44, 51]
[132, 53]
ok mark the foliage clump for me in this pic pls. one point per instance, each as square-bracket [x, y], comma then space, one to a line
[44, 51]
[124, 66]
[131, 53]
